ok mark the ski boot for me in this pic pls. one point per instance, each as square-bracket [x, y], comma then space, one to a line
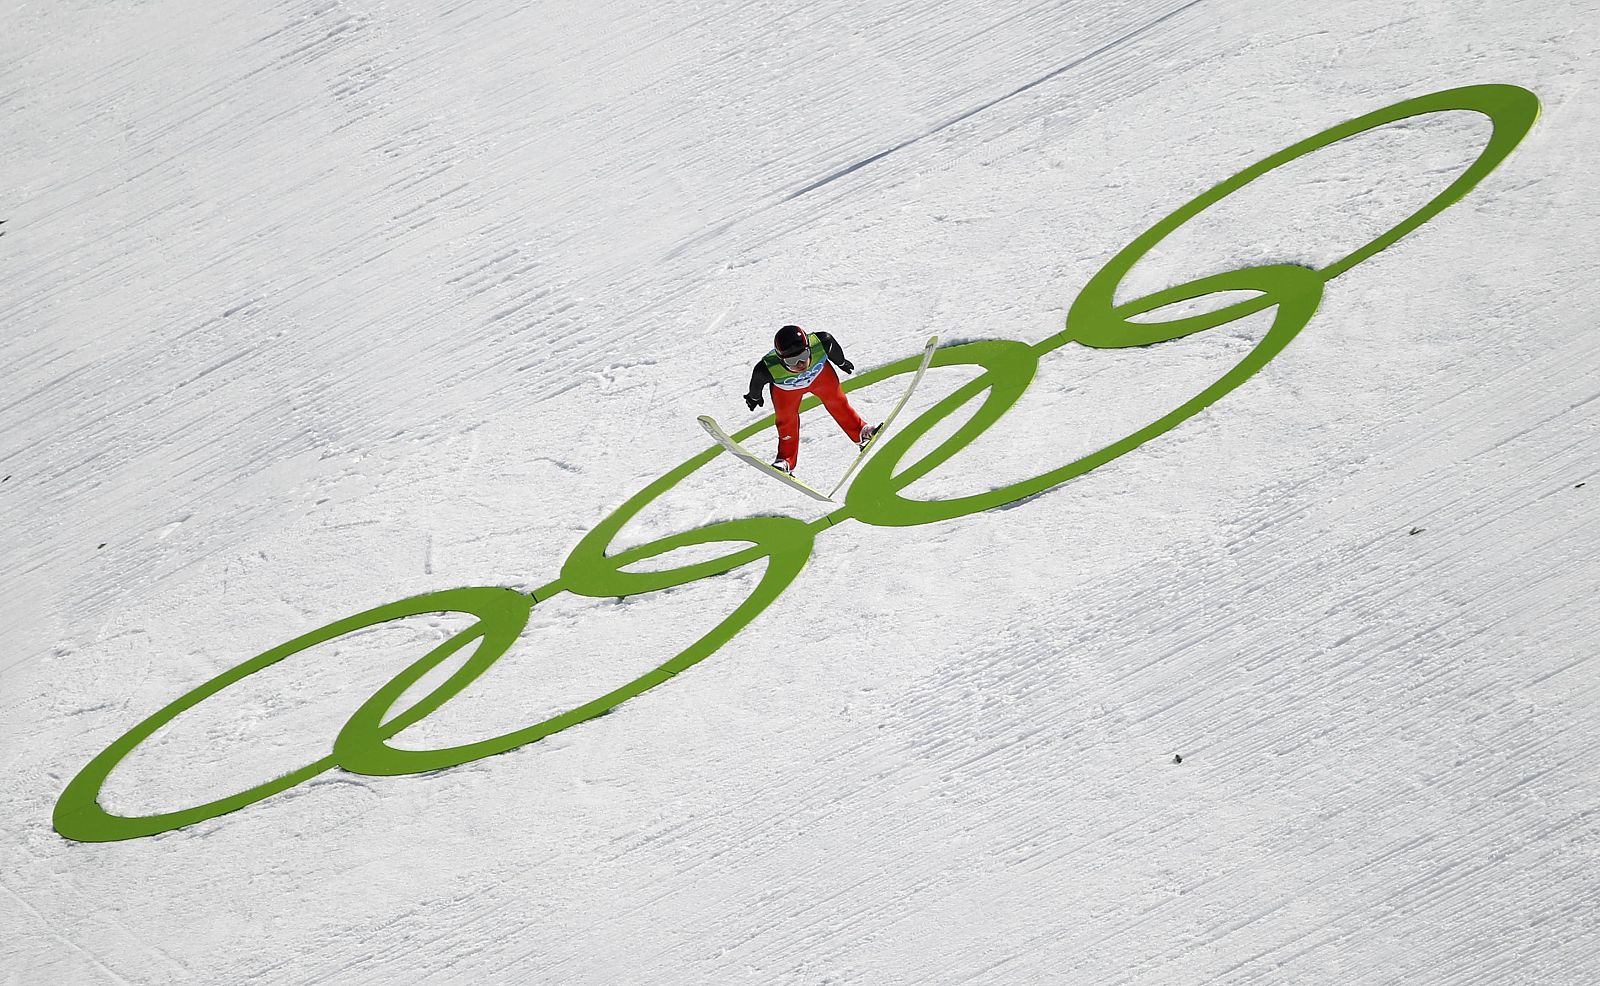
[868, 433]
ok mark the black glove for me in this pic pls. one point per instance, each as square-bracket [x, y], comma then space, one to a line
[847, 366]
[752, 401]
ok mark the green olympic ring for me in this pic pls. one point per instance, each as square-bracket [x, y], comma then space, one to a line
[785, 543]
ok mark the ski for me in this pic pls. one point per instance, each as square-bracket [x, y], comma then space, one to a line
[927, 357]
[740, 452]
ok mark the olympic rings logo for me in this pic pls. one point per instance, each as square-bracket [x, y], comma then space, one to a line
[785, 543]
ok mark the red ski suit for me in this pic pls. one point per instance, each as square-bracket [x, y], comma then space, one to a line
[786, 404]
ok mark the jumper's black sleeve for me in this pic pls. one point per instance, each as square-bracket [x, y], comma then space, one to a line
[760, 378]
[831, 346]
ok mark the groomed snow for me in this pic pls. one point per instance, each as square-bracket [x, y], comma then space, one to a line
[307, 306]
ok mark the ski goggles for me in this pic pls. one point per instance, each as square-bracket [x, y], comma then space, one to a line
[798, 360]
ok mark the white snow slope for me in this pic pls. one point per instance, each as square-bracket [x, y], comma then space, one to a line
[312, 305]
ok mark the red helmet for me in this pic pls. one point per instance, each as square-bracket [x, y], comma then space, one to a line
[790, 341]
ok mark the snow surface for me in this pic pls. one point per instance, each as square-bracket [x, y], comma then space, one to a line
[311, 305]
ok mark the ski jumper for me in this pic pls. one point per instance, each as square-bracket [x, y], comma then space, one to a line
[788, 386]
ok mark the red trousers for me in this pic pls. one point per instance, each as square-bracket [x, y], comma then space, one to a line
[786, 403]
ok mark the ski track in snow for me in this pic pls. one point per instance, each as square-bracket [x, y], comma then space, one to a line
[316, 304]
